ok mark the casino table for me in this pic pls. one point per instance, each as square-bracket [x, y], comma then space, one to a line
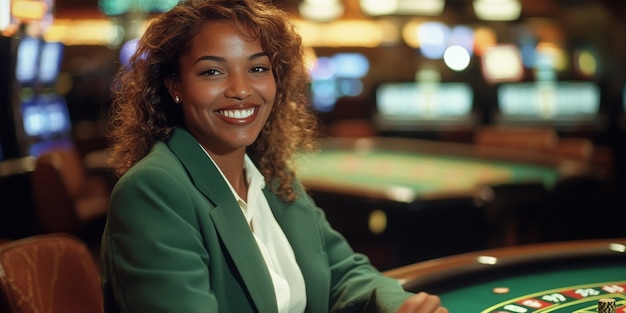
[385, 194]
[558, 277]
[425, 193]
[406, 169]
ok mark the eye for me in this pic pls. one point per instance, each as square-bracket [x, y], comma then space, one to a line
[259, 69]
[210, 72]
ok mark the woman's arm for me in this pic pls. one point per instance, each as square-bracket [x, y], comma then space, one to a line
[357, 286]
[153, 253]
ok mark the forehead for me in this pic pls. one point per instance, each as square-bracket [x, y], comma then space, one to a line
[223, 36]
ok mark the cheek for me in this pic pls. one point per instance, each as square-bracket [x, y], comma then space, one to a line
[270, 91]
[198, 90]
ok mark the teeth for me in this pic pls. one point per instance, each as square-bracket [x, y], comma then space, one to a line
[238, 114]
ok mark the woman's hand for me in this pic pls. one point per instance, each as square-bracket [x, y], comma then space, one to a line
[422, 303]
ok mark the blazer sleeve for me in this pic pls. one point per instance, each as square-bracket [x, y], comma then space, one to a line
[356, 285]
[155, 255]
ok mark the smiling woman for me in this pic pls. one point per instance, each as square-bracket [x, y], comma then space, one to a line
[208, 215]
[227, 91]
[142, 91]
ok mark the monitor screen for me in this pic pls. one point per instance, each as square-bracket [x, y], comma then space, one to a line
[58, 121]
[50, 62]
[34, 118]
[549, 101]
[28, 51]
[46, 116]
[411, 104]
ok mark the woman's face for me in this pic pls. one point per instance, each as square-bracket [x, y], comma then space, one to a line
[226, 88]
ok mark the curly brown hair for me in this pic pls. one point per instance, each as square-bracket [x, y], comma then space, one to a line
[143, 113]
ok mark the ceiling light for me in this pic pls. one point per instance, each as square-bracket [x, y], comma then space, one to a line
[502, 63]
[342, 33]
[497, 10]
[321, 10]
[402, 7]
[377, 7]
[29, 10]
[420, 7]
[457, 58]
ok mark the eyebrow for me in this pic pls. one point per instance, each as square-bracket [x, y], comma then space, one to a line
[223, 60]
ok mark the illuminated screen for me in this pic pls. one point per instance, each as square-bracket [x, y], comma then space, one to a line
[399, 103]
[350, 65]
[336, 77]
[46, 116]
[425, 100]
[50, 62]
[549, 101]
[58, 117]
[27, 59]
[34, 119]
[118, 7]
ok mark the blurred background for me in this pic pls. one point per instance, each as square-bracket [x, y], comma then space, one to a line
[454, 125]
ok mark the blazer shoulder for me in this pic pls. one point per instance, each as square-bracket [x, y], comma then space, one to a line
[159, 161]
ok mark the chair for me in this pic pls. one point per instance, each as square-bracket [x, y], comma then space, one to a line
[53, 273]
[66, 198]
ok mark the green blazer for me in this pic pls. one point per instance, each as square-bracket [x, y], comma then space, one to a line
[177, 241]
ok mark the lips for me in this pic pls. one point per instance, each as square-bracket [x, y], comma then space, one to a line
[238, 116]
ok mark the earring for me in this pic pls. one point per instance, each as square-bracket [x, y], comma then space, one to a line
[176, 99]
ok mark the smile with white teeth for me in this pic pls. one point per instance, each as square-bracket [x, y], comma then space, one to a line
[237, 114]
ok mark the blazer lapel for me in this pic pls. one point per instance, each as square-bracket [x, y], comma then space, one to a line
[245, 254]
[300, 229]
[228, 220]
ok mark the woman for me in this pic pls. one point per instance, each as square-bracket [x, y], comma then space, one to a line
[207, 215]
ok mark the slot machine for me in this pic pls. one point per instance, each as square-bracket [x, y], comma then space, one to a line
[35, 117]
[49, 125]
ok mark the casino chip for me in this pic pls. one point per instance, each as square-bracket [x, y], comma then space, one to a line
[501, 290]
[606, 305]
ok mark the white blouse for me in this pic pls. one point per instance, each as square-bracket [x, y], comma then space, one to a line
[277, 252]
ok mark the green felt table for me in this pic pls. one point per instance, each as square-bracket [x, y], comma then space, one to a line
[568, 289]
[409, 169]
[552, 277]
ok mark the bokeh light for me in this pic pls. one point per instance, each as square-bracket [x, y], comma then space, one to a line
[433, 38]
[456, 58]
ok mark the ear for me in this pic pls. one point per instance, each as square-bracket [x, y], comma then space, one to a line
[173, 86]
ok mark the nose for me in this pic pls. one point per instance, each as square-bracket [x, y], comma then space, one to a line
[238, 87]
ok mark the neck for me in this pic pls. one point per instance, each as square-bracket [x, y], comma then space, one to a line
[231, 164]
